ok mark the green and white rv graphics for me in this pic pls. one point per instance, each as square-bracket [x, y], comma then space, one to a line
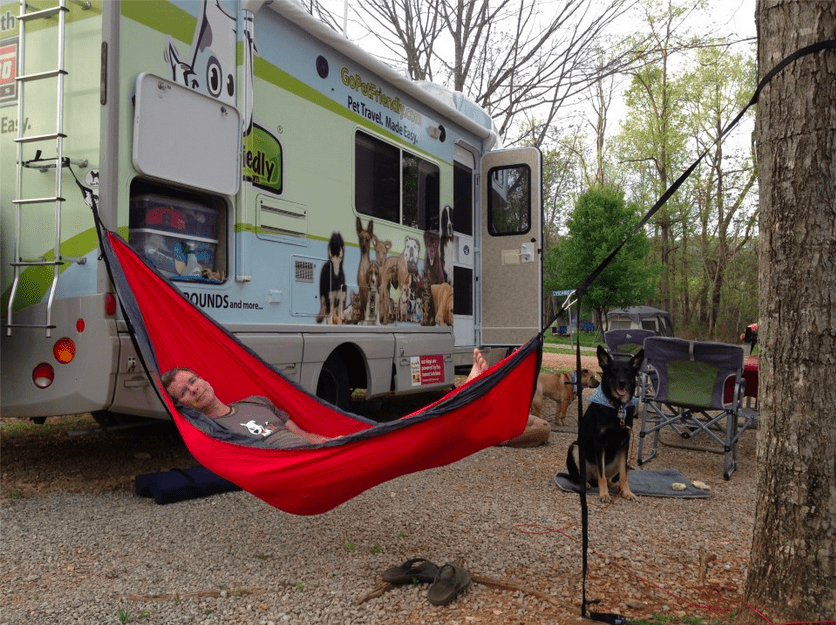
[355, 228]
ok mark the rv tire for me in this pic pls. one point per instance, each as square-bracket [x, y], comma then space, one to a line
[333, 383]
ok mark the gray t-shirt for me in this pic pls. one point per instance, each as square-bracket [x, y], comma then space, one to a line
[257, 418]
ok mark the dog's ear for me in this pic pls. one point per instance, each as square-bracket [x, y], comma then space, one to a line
[636, 361]
[604, 359]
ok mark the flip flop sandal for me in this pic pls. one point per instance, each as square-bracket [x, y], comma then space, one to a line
[448, 584]
[411, 572]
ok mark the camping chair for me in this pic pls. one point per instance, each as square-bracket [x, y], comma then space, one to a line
[625, 343]
[697, 392]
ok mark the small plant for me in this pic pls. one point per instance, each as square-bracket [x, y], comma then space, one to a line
[377, 548]
[125, 616]
[349, 546]
[401, 534]
[300, 586]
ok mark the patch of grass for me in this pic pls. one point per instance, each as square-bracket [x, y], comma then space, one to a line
[660, 619]
[350, 546]
[377, 548]
[20, 428]
[591, 339]
[15, 493]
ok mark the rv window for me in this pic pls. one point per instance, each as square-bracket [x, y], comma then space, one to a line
[376, 178]
[385, 178]
[183, 238]
[509, 202]
[420, 191]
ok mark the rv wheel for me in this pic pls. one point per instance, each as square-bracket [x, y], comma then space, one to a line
[333, 383]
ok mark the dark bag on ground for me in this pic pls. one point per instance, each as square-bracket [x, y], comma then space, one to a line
[181, 485]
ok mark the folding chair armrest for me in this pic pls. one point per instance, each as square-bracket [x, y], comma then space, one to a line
[740, 390]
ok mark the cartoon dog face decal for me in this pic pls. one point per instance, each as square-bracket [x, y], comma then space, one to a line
[210, 65]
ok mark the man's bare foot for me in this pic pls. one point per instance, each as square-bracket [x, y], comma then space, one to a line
[480, 365]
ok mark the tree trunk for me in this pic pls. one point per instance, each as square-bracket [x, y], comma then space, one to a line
[792, 572]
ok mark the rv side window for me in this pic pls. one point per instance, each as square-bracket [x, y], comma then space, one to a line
[386, 179]
[183, 238]
[509, 202]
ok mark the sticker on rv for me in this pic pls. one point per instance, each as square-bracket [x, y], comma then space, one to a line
[263, 159]
[8, 64]
[427, 370]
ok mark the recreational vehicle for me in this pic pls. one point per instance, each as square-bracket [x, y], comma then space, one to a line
[356, 229]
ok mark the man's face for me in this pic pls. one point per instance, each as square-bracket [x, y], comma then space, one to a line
[191, 390]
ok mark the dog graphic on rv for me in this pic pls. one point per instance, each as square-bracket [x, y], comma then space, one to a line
[210, 64]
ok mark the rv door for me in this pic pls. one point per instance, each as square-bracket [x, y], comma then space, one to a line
[512, 264]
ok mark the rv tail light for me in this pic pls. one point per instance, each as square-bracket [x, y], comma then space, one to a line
[64, 350]
[110, 304]
[43, 375]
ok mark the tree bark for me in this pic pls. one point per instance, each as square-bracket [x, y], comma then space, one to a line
[792, 571]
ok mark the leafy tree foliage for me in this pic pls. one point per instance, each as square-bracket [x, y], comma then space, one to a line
[600, 222]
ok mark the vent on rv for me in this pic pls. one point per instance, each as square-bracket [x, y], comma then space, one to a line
[304, 271]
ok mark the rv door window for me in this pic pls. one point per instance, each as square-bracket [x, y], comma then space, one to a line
[387, 178]
[463, 199]
[509, 200]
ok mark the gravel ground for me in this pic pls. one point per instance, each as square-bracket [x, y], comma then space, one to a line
[80, 547]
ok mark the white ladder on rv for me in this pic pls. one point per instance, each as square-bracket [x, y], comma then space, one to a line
[56, 164]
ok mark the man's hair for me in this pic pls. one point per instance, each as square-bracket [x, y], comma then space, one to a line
[168, 377]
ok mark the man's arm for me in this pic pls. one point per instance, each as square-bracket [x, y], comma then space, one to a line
[313, 439]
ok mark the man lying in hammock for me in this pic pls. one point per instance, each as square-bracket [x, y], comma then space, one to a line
[256, 417]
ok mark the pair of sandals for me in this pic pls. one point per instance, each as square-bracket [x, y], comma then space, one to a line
[446, 582]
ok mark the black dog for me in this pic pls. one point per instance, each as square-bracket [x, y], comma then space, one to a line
[447, 240]
[604, 432]
[332, 283]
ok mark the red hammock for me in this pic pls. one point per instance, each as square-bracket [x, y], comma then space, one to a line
[170, 332]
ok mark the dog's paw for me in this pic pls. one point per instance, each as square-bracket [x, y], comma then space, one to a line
[628, 494]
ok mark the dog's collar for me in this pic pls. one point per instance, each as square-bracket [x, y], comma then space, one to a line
[598, 397]
[573, 379]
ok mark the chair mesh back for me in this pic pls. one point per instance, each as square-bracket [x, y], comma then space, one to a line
[626, 341]
[690, 373]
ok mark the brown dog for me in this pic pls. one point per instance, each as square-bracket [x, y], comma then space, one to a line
[561, 388]
[443, 302]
